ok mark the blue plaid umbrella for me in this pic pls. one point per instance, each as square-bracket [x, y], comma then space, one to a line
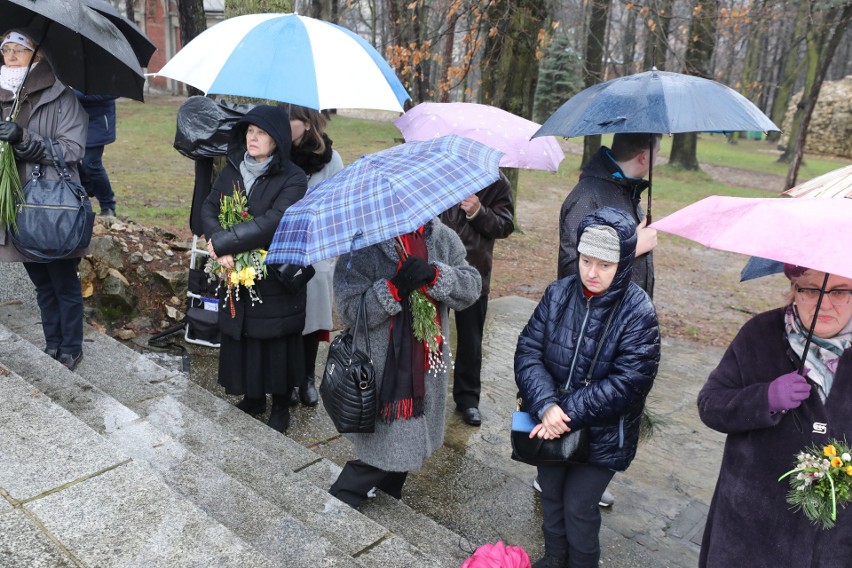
[381, 196]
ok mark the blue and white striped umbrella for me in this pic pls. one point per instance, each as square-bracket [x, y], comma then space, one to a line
[381, 196]
[288, 58]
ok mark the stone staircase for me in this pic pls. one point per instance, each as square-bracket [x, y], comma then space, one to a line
[125, 463]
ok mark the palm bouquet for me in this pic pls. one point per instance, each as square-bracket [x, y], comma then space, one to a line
[822, 482]
[11, 192]
[248, 266]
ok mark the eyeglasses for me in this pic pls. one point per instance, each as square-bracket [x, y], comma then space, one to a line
[10, 51]
[811, 295]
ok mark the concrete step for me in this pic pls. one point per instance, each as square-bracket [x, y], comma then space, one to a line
[254, 480]
[72, 498]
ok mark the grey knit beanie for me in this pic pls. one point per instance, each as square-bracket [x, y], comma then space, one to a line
[601, 242]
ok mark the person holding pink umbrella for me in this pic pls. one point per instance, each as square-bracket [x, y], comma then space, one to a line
[776, 393]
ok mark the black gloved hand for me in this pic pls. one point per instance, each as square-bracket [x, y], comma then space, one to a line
[30, 151]
[293, 276]
[411, 275]
[11, 132]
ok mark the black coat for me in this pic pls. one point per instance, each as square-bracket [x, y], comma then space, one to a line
[495, 220]
[750, 522]
[559, 343]
[281, 312]
[602, 184]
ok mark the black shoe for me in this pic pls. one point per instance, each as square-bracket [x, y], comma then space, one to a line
[294, 397]
[472, 416]
[279, 418]
[53, 352]
[71, 361]
[252, 405]
[308, 393]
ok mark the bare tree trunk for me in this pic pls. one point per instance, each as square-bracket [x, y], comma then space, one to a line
[658, 23]
[447, 59]
[192, 21]
[699, 53]
[628, 44]
[593, 71]
[790, 69]
[128, 10]
[822, 44]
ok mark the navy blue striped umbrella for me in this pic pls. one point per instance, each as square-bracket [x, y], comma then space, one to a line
[381, 196]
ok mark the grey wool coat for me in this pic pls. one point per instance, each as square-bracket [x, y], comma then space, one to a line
[403, 445]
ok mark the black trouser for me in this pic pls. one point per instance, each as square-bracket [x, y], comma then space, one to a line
[311, 342]
[569, 503]
[60, 301]
[357, 478]
[467, 383]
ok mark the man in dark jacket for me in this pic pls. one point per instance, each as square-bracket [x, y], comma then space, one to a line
[93, 176]
[479, 220]
[615, 178]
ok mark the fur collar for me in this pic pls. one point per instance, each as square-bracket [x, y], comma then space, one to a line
[309, 161]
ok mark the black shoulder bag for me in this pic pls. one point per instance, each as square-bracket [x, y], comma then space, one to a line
[571, 447]
[55, 219]
[348, 387]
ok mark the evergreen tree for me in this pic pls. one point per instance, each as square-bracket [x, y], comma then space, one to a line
[559, 78]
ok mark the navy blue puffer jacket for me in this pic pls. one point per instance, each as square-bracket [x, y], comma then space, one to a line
[559, 343]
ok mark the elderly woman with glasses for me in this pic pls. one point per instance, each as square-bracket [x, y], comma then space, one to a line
[770, 413]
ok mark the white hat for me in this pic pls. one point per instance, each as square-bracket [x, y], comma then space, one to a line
[601, 242]
[19, 38]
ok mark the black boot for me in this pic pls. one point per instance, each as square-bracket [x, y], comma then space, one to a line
[279, 417]
[308, 392]
[252, 405]
[293, 399]
[555, 552]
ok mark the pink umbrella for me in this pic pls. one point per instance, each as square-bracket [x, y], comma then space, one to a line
[836, 183]
[808, 232]
[498, 556]
[489, 125]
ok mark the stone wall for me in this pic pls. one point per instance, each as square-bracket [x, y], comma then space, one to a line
[830, 131]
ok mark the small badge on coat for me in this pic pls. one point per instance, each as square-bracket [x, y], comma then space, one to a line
[820, 428]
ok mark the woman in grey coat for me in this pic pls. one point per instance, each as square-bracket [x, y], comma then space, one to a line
[47, 112]
[411, 402]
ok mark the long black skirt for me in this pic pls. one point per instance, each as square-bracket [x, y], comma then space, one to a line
[256, 367]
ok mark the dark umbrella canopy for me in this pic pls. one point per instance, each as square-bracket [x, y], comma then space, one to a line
[142, 46]
[86, 50]
[655, 101]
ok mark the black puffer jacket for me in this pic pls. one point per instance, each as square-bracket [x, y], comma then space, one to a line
[602, 184]
[281, 312]
[559, 343]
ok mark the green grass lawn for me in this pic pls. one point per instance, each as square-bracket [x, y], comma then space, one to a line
[153, 182]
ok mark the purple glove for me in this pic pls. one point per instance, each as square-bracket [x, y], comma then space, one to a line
[788, 391]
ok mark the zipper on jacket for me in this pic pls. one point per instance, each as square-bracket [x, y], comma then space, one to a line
[579, 340]
[621, 432]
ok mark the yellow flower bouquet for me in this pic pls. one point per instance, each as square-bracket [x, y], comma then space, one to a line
[821, 482]
[248, 266]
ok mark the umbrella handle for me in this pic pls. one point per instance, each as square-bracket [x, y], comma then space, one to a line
[813, 325]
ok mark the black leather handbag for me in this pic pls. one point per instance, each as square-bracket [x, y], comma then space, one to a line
[571, 447]
[55, 219]
[348, 387]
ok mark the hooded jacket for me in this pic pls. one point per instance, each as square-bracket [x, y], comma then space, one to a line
[281, 312]
[559, 343]
[602, 184]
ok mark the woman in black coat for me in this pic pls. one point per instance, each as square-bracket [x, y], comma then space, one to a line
[770, 413]
[261, 345]
[587, 359]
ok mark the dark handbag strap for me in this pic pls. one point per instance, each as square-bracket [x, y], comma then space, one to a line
[362, 311]
[54, 150]
[588, 378]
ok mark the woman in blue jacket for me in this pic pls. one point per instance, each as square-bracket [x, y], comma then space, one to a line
[587, 359]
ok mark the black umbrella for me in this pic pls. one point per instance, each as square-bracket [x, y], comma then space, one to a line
[86, 50]
[142, 46]
[656, 102]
